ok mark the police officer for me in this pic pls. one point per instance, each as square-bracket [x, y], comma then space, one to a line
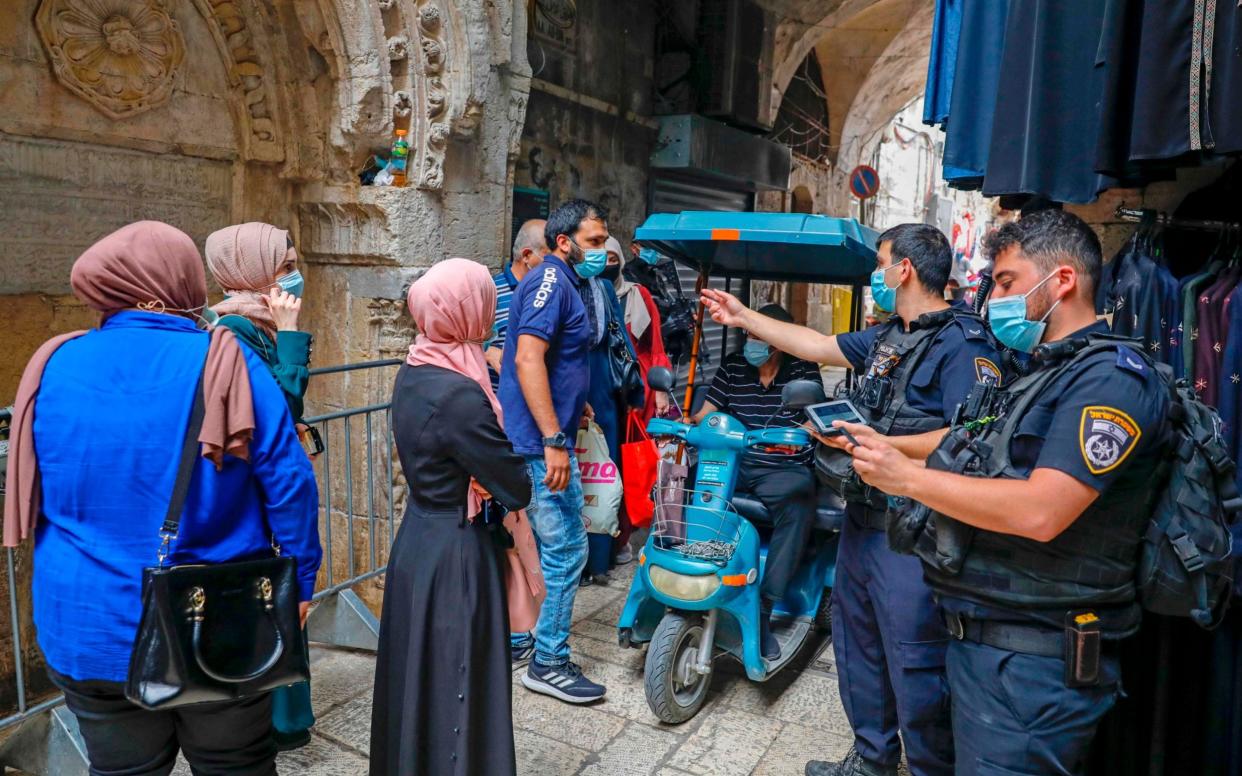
[1035, 554]
[888, 638]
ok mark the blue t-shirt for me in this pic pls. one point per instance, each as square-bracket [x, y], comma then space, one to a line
[961, 354]
[547, 305]
[505, 284]
[110, 418]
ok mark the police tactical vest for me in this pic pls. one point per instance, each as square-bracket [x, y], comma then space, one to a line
[881, 395]
[1091, 563]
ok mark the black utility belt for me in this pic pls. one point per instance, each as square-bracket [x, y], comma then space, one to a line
[1079, 644]
[871, 518]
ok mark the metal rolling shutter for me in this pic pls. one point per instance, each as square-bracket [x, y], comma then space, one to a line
[673, 195]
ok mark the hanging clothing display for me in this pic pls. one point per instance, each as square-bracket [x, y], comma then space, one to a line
[1183, 707]
[972, 105]
[942, 64]
[1096, 93]
[1049, 99]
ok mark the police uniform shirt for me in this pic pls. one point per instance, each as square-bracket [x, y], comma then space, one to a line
[546, 304]
[960, 355]
[1102, 426]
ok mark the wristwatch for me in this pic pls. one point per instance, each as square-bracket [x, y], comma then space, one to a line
[557, 440]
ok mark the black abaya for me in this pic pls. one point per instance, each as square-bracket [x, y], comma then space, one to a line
[442, 677]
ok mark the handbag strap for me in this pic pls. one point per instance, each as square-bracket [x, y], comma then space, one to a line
[635, 421]
[185, 470]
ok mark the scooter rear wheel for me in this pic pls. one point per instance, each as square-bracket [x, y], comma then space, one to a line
[675, 690]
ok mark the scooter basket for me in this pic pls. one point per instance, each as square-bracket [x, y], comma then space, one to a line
[708, 531]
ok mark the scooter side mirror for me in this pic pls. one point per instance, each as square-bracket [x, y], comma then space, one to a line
[660, 379]
[800, 394]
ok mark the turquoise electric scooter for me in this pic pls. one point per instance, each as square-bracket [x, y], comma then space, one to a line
[695, 594]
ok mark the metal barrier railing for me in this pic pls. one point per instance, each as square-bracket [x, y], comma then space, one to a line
[42, 738]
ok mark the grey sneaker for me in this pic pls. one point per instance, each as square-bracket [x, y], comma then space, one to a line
[626, 555]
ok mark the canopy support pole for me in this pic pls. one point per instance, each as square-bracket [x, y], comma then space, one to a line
[687, 406]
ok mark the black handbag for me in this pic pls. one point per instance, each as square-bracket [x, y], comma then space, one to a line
[627, 380]
[216, 631]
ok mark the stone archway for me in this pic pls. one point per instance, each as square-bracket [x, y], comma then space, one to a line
[208, 112]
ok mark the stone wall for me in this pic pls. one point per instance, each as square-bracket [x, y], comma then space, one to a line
[588, 129]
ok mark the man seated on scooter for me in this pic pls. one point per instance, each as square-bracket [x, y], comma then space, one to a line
[887, 634]
[748, 386]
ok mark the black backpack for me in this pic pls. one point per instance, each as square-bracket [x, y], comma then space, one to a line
[1185, 565]
[676, 311]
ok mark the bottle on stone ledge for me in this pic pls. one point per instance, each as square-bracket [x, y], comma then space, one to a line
[400, 158]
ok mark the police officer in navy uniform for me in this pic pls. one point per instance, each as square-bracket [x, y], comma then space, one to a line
[888, 637]
[1059, 469]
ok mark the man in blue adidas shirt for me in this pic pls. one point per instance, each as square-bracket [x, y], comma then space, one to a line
[528, 251]
[543, 391]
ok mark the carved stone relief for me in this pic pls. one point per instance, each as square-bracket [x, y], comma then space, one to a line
[431, 39]
[251, 75]
[54, 211]
[121, 56]
[344, 233]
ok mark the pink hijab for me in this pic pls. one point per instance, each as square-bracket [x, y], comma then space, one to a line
[454, 306]
[245, 260]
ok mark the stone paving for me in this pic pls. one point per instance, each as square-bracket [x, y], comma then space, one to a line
[766, 729]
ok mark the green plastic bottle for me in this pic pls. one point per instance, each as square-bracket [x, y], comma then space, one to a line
[400, 158]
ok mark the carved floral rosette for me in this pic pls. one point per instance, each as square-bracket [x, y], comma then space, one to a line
[121, 56]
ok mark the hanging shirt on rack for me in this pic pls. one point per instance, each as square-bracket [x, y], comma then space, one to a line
[1190, 288]
[972, 107]
[1230, 387]
[1213, 330]
[1141, 296]
[942, 64]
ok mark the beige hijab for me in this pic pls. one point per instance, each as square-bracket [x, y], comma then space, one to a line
[245, 260]
[637, 316]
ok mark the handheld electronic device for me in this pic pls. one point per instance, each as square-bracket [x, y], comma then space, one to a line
[822, 416]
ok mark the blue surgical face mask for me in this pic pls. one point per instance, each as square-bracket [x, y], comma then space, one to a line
[491, 338]
[1007, 316]
[756, 353]
[649, 255]
[884, 297]
[293, 283]
[593, 262]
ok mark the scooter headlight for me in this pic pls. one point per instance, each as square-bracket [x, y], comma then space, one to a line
[683, 586]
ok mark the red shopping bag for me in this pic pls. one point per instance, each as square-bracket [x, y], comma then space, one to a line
[639, 463]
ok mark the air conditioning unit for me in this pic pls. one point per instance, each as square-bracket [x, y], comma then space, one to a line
[730, 37]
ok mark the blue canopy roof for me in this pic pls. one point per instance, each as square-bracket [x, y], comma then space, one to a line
[765, 246]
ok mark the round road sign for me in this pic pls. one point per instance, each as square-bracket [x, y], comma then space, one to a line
[864, 181]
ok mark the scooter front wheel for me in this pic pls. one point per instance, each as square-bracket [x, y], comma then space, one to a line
[675, 689]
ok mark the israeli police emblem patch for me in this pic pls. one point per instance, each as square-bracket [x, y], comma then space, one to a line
[1106, 437]
[986, 370]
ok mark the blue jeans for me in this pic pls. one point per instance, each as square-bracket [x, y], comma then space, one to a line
[556, 519]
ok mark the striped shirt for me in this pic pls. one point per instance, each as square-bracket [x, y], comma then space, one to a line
[736, 390]
[505, 283]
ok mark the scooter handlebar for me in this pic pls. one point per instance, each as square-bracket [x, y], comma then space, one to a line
[667, 428]
[778, 437]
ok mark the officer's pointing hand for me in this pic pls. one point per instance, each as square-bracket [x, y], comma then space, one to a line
[725, 308]
[883, 466]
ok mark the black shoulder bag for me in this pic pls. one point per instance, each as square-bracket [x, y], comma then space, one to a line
[217, 631]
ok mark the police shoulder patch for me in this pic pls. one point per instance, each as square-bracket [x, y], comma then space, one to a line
[1106, 437]
[1129, 360]
[986, 370]
[973, 328]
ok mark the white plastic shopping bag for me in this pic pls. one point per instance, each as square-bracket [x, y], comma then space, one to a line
[602, 489]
